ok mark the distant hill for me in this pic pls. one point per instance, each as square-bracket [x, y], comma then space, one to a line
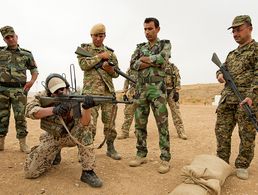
[200, 93]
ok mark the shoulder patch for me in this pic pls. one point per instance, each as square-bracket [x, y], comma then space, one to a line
[108, 48]
[83, 45]
[165, 41]
[141, 44]
[22, 49]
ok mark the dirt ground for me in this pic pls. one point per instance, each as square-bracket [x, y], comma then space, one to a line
[118, 177]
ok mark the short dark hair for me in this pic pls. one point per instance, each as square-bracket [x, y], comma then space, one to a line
[155, 20]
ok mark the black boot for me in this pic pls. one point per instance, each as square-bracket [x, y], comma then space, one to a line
[111, 151]
[57, 159]
[91, 178]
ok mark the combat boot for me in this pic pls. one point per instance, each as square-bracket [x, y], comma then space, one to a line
[2, 143]
[137, 161]
[123, 136]
[23, 146]
[182, 135]
[91, 178]
[242, 173]
[111, 152]
[164, 167]
[57, 159]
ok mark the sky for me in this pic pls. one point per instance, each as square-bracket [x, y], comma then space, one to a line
[52, 30]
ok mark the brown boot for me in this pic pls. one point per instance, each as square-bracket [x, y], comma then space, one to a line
[164, 167]
[137, 161]
[111, 151]
[2, 143]
[23, 146]
[182, 135]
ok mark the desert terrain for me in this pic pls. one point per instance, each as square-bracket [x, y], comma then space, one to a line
[119, 179]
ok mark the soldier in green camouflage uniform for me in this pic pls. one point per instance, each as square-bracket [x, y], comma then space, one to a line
[173, 87]
[99, 82]
[242, 64]
[149, 59]
[129, 93]
[56, 137]
[14, 61]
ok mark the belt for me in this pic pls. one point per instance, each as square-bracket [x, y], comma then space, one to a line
[12, 84]
[151, 79]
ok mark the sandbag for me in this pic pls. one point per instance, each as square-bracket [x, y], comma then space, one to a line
[209, 172]
[189, 189]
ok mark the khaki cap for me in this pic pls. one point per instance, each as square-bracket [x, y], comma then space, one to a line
[7, 30]
[55, 83]
[240, 20]
[98, 29]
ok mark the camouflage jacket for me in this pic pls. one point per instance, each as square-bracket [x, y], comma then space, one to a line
[242, 64]
[159, 54]
[173, 79]
[129, 87]
[14, 63]
[96, 81]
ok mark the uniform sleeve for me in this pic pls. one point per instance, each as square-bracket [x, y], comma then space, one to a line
[31, 64]
[163, 56]
[33, 106]
[135, 62]
[254, 85]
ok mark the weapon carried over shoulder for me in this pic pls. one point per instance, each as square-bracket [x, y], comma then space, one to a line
[232, 85]
[80, 51]
[76, 100]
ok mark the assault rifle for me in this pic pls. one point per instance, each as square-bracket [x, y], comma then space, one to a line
[232, 85]
[75, 100]
[80, 51]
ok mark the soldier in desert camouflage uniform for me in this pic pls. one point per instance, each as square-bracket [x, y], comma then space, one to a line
[242, 64]
[173, 87]
[56, 137]
[14, 61]
[150, 59]
[129, 93]
[99, 82]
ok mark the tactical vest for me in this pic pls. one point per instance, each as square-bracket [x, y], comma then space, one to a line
[53, 125]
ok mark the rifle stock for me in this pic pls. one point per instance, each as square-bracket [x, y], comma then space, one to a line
[232, 85]
[80, 51]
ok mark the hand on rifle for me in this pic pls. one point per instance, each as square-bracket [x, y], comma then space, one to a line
[104, 55]
[220, 78]
[108, 68]
[61, 109]
[246, 100]
[88, 102]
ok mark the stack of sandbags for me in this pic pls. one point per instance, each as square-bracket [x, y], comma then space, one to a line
[204, 176]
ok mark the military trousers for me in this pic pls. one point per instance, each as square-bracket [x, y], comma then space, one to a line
[108, 113]
[128, 117]
[42, 156]
[228, 115]
[17, 99]
[152, 95]
[176, 114]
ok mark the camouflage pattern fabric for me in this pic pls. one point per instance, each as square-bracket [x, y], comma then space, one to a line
[173, 83]
[99, 82]
[242, 63]
[152, 93]
[13, 66]
[129, 90]
[42, 156]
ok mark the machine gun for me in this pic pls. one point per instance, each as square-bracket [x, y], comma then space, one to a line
[80, 51]
[75, 100]
[232, 85]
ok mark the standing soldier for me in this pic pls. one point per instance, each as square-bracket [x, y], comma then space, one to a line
[57, 120]
[129, 93]
[150, 59]
[173, 86]
[14, 61]
[242, 64]
[98, 81]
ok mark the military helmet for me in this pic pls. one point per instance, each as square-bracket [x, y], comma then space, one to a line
[54, 82]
